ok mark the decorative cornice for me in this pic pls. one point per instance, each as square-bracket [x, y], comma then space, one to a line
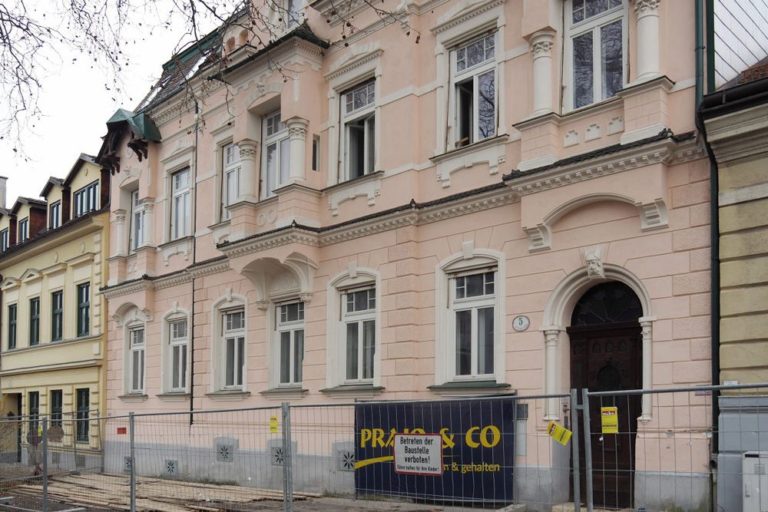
[408, 216]
[209, 268]
[120, 290]
[665, 151]
[354, 62]
[466, 15]
[172, 280]
[292, 235]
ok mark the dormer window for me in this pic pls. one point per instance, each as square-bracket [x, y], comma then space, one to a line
[4, 240]
[54, 215]
[23, 230]
[86, 199]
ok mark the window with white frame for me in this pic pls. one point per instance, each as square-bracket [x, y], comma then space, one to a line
[54, 215]
[276, 163]
[595, 38]
[473, 66]
[86, 199]
[181, 204]
[136, 233]
[289, 326]
[23, 234]
[472, 299]
[136, 348]
[358, 316]
[4, 241]
[358, 116]
[230, 183]
[233, 339]
[178, 340]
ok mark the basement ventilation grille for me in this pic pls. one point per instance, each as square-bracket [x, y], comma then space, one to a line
[277, 455]
[127, 464]
[171, 467]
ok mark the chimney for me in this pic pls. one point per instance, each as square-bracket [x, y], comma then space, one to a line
[3, 181]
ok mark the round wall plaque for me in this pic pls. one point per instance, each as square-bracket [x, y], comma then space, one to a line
[521, 323]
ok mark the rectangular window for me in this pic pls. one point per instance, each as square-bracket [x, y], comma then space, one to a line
[473, 302]
[83, 415]
[179, 340]
[83, 309]
[12, 309]
[233, 327]
[4, 240]
[596, 36]
[136, 360]
[276, 164]
[290, 332]
[359, 318]
[181, 204]
[86, 199]
[359, 121]
[57, 315]
[230, 187]
[23, 234]
[474, 83]
[56, 407]
[316, 153]
[137, 222]
[54, 215]
[33, 398]
[34, 321]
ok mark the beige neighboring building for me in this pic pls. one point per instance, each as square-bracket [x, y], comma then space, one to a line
[53, 332]
[736, 125]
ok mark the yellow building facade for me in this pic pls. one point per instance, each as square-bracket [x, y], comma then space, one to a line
[53, 325]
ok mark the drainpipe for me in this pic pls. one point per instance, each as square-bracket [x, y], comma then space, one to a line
[191, 355]
[705, 58]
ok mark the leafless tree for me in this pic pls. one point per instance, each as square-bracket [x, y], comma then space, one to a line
[38, 36]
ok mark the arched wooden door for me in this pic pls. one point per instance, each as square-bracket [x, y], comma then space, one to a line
[606, 355]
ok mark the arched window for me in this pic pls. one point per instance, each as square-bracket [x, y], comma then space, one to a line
[470, 313]
[176, 337]
[353, 328]
[230, 353]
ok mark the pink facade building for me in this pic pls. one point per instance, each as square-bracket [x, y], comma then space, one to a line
[459, 198]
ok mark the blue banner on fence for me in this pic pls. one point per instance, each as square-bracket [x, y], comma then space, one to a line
[478, 449]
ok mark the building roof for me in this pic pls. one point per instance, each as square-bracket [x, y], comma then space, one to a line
[33, 203]
[52, 181]
[83, 158]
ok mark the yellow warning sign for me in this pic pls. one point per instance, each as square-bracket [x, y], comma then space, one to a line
[559, 433]
[273, 425]
[609, 419]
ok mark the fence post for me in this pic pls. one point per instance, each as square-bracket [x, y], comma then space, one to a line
[575, 447]
[74, 439]
[45, 464]
[587, 448]
[287, 459]
[131, 424]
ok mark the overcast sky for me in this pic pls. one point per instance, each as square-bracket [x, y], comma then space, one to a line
[76, 106]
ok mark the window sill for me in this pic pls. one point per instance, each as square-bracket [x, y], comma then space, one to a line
[471, 388]
[470, 148]
[353, 391]
[229, 395]
[173, 396]
[359, 179]
[175, 241]
[133, 397]
[279, 393]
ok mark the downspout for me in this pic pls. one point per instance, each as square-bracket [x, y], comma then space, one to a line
[192, 308]
[705, 57]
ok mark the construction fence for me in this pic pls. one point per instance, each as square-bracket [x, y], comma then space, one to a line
[632, 449]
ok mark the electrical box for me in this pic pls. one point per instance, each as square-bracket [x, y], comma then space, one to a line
[754, 471]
